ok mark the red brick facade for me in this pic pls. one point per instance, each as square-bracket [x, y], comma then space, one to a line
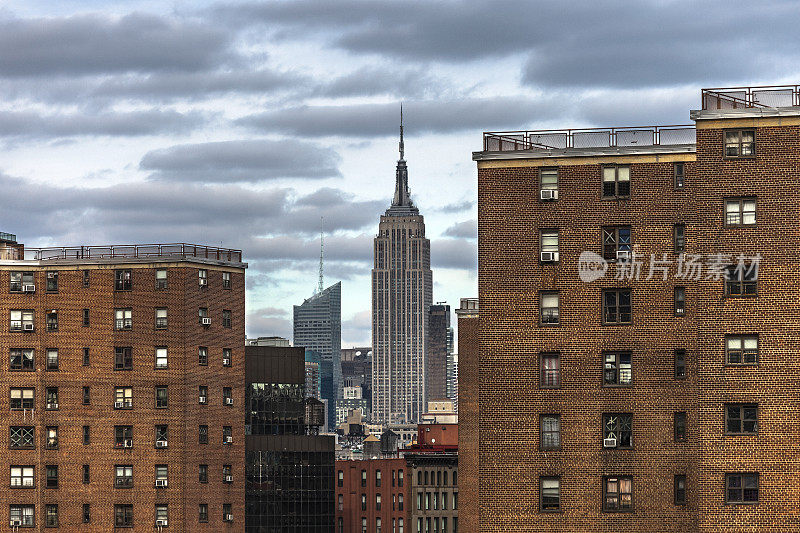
[90, 288]
[512, 339]
[359, 484]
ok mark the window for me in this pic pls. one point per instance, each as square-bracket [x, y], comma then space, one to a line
[400, 525]
[226, 280]
[202, 355]
[21, 437]
[161, 279]
[87, 513]
[123, 515]
[227, 396]
[86, 475]
[162, 436]
[227, 513]
[378, 502]
[399, 478]
[550, 427]
[548, 244]
[51, 515]
[617, 306]
[618, 493]
[741, 349]
[203, 395]
[741, 419]
[364, 525]
[741, 488]
[51, 476]
[21, 320]
[548, 306]
[548, 181]
[86, 322]
[87, 435]
[741, 280]
[340, 479]
[679, 173]
[20, 398]
[680, 364]
[227, 474]
[679, 426]
[617, 430]
[124, 476]
[20, 359]
[549, 494]
[161, 357]
[227, 435]
[52, 282]
[617, 369]
[87, 396]
[740, 211]
[226, 318]
[455, 500]
[202, 313]
[202, 476]
[399, 502]
[740, 143]
[162, 397]
[122, 280]
[86, 358]
[363, 478]
[203, 513]
[203, 434]
[377, 525]
[22, 476]
[123, 358]
[123, 398]
[679, 238]
[123, 319]
[162, 514]
[202, 277]
[616, 181]
[86, 279]
[680, 301]
[51, 436]
[340, 502]
[227, 357]
[616, 242]
[18, 280]
[679, 489]
[161, 318]
[22, 514]
[52, 359]
[51, 398]
[123, 436]
[51, 320]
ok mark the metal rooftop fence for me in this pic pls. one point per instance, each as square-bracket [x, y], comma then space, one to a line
[7, 236]
[501, 141]
[760, 96]
[137, 251]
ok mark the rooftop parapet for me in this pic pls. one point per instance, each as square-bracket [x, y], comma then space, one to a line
[135, 251]
[757, 96]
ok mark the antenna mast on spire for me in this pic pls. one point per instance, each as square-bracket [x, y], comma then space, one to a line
[321, 250]
[402, 148]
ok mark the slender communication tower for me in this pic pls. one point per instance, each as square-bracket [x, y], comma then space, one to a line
[402, 147]
[321, 250]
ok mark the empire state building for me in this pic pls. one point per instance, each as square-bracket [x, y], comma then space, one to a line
[401, 298]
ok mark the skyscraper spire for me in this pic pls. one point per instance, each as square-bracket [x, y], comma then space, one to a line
[401, 203]
[402, 148]
[321, 250]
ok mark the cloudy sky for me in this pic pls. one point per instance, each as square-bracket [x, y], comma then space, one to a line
[242, 123]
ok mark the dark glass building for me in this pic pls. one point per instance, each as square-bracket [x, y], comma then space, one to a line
[289, 468]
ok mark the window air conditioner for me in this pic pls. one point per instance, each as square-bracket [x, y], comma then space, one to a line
[161, 444]
[161, 522]
[228, 439]
[229, 518]
[52, 405]
[203, 282]
[15, 523]
[228, 479]
[161, 483]
[548, 194]
[27, 327]
[610, 443]
[228, 401]
[549, 257]
[226, 361]
[202, 399]
[206, 321]
[128, 443]
[623, 255]
[29, 288]
[119, 405]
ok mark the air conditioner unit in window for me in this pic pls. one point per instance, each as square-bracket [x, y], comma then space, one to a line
[161, 483]
[228, 401]
[549, 257]
[162, 523]
[119, 405]
[228, 518]
[226, 361]
[51, 275]
[228, 479]
[15, 523]
[228, 439]
[203, 282]
[548, 194]
[52, 405]
[202, 399]
[161, 444]
[127, 444]
[609, 443]
[27, 327]
[29, 288]
[623, 255]
[206, 321]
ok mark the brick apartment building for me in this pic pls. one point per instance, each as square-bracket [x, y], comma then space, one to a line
[468, 435]
[123, 390]
[625, 402]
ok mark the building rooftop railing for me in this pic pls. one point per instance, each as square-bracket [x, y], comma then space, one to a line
[7, 237]
[137, 251]
[759, 96]
[501, 141]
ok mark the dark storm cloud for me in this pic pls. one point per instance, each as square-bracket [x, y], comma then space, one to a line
[454, 253]
[428, 116]
[463, 230]
[241, 161]
[371, 81]
[24, 124]
[84, 44]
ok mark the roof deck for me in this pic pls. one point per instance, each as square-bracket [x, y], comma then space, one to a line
[8, 237]
[136, 252]
[757, 96]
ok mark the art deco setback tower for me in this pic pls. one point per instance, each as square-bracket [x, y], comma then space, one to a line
[401, 298]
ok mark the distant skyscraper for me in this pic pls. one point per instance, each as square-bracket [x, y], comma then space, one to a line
[318, 326]
[401, 298]
[437, 352]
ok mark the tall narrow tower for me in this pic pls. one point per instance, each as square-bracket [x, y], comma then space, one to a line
[401, 298]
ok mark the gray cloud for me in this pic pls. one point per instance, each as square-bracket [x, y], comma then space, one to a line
[84, 44]
[428, 116]
[457, 207]
[241, 160]
[463, 230]
[25, 124]
[378, 80]
[268, 321]
[454, 253]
